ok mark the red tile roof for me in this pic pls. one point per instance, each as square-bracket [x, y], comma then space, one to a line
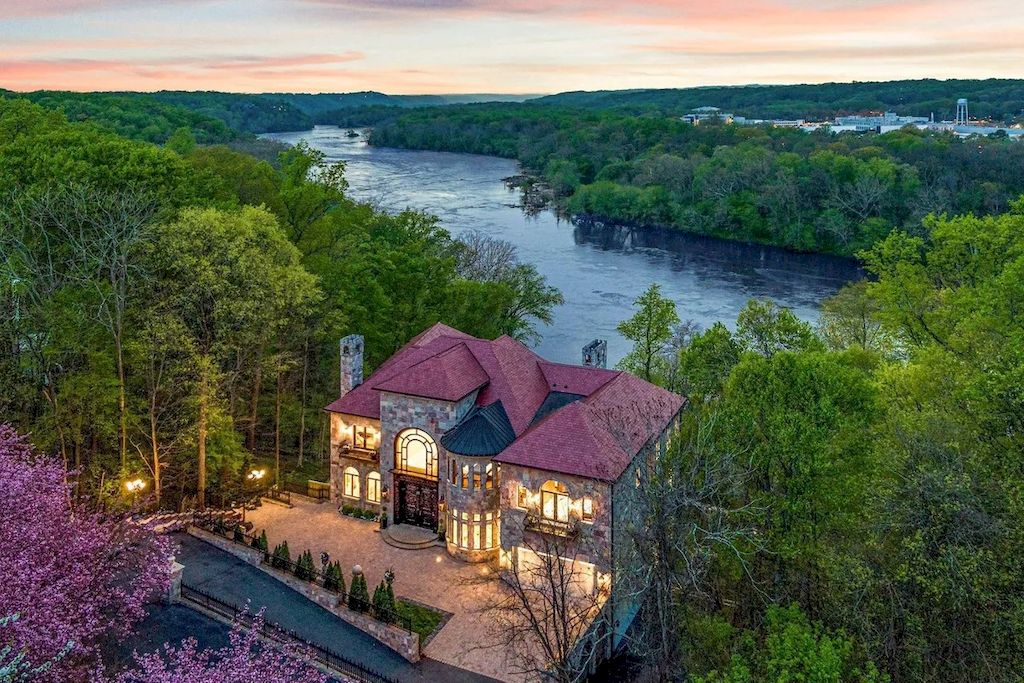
[450, 375]
[595, 437]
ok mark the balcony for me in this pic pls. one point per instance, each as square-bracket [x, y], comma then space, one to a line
[349, 451]
[552, 527]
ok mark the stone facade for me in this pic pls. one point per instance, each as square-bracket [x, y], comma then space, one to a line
[522, 524]
[399, 412]
[355, 444]
[473, 485]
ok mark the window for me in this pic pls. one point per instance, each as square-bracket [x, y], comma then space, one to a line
[362, 437]
[454, 478]
[476, 531]
[523, 498]
[351, 483]
[465, 476]
[588, 509]
[489, 480]
[416, 452]
[373, 487]
[554, 502]
[476, 477]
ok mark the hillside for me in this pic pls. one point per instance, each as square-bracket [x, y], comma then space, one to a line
[1000, 99]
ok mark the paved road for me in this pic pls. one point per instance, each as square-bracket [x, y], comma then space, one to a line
[232, 580]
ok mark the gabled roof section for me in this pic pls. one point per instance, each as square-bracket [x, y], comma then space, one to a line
[484, 431]
[449, 375]
[599, 436]
[554, 401]
[364, 401]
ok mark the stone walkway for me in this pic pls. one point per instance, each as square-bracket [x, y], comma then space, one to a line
[232, 580]
[429, 576]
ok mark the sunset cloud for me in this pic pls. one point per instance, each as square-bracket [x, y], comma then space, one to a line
[505, 45]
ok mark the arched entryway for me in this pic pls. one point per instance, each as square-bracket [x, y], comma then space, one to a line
[416, 460]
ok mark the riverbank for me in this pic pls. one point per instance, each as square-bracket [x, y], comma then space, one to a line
[600, 269]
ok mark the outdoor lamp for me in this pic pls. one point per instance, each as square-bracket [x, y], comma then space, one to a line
[135, 485]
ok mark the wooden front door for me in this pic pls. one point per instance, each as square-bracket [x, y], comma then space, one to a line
[417, 503]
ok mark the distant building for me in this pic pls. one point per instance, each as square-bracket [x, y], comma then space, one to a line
[888, 120]
[707, 113]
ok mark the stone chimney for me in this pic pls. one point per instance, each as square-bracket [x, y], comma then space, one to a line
[595, 354]
[351, 362]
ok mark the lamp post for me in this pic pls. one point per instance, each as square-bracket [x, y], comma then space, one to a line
[134, 487]
[253, 476]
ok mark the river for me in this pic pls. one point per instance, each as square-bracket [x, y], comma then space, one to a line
[600, 271]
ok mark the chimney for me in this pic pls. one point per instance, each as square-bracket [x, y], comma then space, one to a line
[595, 354]
[351, 362]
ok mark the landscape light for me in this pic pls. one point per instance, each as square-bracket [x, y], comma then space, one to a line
[135, 485]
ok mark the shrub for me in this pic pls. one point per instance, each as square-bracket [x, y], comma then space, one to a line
[260, 542]
[334, 578]
[239, 535]
[359, 594]
[304, 568]
[282, 556]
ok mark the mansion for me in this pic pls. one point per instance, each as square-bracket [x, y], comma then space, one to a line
[493, 447]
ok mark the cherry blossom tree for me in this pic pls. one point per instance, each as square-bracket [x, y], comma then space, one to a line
[71, 575]
[245, 660]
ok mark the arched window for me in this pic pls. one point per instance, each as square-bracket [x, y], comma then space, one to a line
[415, 452]
[373, 487]
[351, 483]
[554, 501]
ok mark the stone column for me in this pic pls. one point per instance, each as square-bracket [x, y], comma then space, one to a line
[174, 590]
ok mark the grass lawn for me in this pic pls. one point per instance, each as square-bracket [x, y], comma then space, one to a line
[424, 620]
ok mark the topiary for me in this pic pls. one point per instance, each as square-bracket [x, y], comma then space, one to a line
[358, 595]
[304, 568]
[334, 578]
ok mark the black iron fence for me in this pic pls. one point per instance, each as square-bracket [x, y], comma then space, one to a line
[278, 494]
[219, 523]
[283, 636]
[312, 489]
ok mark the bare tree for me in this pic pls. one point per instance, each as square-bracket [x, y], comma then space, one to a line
[485, 258]
[683, 516]
[547, 610]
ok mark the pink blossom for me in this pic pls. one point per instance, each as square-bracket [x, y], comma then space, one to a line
[72, 575]
[245, 660]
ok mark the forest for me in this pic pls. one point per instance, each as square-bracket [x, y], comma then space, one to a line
[808, 192]
[844, 502]
[173, 312]
[994, 98]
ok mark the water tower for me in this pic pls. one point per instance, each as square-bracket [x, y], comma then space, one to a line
[961, 112]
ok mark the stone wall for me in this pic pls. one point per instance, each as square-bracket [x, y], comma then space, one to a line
[363, 461]
[473, 499]
[398, 639]
[594, 538]
[398, 412]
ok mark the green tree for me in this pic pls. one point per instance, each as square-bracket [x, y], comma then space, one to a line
[650, 330]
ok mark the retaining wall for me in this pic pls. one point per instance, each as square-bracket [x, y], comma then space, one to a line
[398, 639]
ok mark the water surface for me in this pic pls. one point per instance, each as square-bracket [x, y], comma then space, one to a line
[600, 270]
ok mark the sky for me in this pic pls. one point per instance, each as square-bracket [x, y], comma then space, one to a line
[498, 46]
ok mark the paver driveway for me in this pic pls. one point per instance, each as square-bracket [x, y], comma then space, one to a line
[429, 576]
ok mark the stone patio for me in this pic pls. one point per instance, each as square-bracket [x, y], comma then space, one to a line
[428, 575]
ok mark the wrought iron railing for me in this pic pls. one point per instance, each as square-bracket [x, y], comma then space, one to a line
[553, 527]
[279, 634]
